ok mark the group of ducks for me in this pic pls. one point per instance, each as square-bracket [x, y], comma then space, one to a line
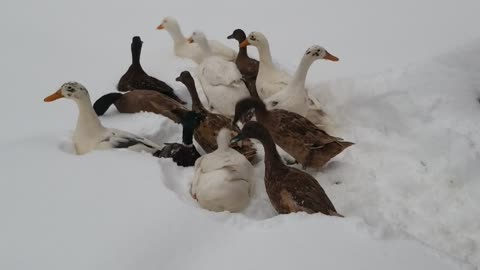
[238, 89]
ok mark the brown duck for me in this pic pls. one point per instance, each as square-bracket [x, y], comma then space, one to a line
[141, 100]
[136, 78]
[247, 66]
[309, 145]
[206, 133]
[289, 189]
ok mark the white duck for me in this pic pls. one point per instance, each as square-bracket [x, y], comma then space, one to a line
[223, 179]
[184, 49]
[220, 79]
[270, 79]
[294, 97]
[89, 133]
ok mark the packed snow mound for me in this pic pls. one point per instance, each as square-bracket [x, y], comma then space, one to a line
[414, 167]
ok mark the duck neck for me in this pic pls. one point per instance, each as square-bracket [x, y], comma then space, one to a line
[261, 114]
[223, 140]
[273, 161]
[187, 135]
[196, 103]
[301, 74]
[136, 57]
[87, 121]
[205, 47]
[265, 56]
[176, 34]
[242, 51]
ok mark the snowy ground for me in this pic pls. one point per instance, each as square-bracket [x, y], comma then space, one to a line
[405, 90]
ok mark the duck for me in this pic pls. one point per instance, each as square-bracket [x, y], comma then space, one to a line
[223, 179]
[220, 79]
[289, 189]
[183, 49]
[294, 97]
[141, 100]
[136, 78]
[303, 140]
[206, 133]
[247, 66]
[184, 154]
[89, 133]
[270, 79]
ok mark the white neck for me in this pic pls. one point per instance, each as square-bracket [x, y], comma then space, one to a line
[205, 47]
[87, 122]
[300, 75]
[265, 56]
[223, 139]
[176, 34]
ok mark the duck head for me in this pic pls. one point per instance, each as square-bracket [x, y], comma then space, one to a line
[246, 105]
[185, 78]
[318, 52]
[255, 39]
[168, 23]
[238, 35]
[197, 37]
[70, 90]
[191, 119]
[252, 130]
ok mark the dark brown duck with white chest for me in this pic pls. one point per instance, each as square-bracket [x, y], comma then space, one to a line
[247, 66]
[289, 189]
[309, 145]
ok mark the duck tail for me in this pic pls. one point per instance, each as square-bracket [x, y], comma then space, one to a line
[102, 104]
[175, 97]
[334, 213]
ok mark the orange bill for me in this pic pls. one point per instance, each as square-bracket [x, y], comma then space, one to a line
[54, 96]
[330, 57]
[160, 27]
[244, 44]
[190, 40]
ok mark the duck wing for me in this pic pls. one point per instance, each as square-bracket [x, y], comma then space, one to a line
[301, 192]
[120, 139]
[297, 127]
[216, 71]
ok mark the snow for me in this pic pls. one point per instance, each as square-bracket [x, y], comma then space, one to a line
[405, 90]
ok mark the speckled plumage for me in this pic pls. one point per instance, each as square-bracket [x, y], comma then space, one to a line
[308, 144]
[289, 189]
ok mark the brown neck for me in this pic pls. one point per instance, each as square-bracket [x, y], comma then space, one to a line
[243, 52]
[273, 161]
[196, 103]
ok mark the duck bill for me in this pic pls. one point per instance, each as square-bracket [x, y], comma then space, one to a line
[330, 57]
[237, 138]
[230, 37]
[244, 44]
[160, 27]
[54, 96]
[190, 40]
